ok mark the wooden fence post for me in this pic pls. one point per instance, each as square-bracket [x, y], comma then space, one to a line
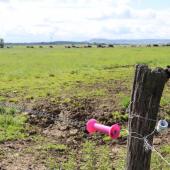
[146, 94]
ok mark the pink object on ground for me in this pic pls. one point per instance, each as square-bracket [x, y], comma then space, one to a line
[113, 131]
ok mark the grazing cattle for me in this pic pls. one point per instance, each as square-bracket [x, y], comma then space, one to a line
[100, 46]
[74, 46]
[51, 46]
[29, 46]
[155, 45]
[87, 46]
[111, 45]
[67, 46]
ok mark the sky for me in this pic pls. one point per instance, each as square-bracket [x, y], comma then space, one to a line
[80, 20]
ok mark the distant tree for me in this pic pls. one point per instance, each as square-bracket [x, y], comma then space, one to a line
[1, 43]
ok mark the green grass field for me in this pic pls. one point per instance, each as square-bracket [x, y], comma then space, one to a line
[82, 78]
[35, 73]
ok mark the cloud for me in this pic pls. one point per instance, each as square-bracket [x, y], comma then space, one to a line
[46, 20]
[5, 1]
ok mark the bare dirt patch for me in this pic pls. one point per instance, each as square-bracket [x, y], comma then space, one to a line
[64, 122]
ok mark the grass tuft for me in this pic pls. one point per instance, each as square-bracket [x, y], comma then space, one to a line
[11, 124]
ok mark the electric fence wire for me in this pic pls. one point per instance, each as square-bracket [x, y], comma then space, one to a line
[147, 146]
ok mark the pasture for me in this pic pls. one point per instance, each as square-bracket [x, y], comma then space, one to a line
[69, 86]
[38, 72]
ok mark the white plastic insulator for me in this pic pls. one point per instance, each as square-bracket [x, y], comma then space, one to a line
[162, 126]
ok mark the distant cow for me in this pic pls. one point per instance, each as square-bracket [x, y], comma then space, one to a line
[100, 46]
[155, 45]
[51, 46]
[68, 46]
[29, 46]
[111, 45]
[87, 46]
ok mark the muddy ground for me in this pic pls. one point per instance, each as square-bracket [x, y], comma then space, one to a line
[64, 123]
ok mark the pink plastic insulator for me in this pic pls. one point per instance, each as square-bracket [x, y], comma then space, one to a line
[113, 131]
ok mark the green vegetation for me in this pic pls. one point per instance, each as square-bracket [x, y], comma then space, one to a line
[93, 158]
[89, 156]
[102, 75]
[35, 73]
[11, 125]
[55, 147]
[119, 117]
[157, 162]
[165, 100]
[125, 102]
[96, 157]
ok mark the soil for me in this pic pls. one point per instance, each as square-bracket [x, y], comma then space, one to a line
[64, 123]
